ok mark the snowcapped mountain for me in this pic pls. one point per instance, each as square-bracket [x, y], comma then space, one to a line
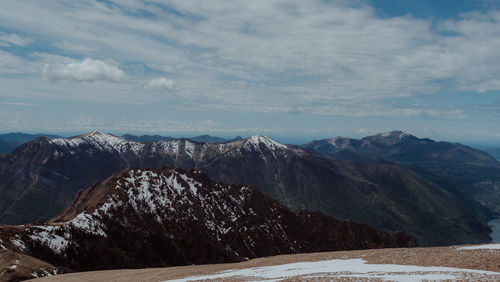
[160, 217]
[41, 178]
[177, 149]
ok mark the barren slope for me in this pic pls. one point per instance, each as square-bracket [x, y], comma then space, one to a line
[472, 264]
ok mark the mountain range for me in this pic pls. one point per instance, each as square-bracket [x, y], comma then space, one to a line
[10, 141]
[40, 178]
[201, 138]
[141, 218]
[474, 171]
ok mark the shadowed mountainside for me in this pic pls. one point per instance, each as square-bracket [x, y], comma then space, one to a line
[40, 179]
[163, 217]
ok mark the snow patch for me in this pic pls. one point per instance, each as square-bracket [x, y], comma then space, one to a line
[18, 243]
[350, 268]
[88, 223]
[482, 247]
[47, 235]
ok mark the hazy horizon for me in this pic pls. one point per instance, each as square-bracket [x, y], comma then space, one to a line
[295, 140]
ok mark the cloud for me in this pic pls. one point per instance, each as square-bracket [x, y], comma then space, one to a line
[319, 57]
[87, 70]
[13, 39]
[160, 83]
[22, 104]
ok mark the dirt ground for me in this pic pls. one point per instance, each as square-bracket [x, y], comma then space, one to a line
[483, 259]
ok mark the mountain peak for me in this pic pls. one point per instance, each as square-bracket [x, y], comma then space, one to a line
[92, 133]
[99, 140]
[256, 141]
[394, 133]
[389, 138]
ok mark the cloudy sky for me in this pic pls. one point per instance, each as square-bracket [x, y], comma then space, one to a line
[290, 69]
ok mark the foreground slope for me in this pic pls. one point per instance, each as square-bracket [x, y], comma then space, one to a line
[416, 264]
[40, 179]
[163, 217]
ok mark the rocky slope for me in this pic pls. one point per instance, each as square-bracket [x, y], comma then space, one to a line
[473, 170]
[163, 217]
[40, 178]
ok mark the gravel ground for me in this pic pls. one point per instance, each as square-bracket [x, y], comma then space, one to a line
[454, 257]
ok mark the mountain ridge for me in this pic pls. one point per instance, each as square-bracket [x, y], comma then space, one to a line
[53, 170]
[474, 171]
[164, 217]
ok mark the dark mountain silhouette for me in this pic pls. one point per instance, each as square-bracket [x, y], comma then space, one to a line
[10, 141]
[163, 217]
[40, 179]
[473, 170]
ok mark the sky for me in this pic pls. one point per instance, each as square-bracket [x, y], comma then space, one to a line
[291, 69]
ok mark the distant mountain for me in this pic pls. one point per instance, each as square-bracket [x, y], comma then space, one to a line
[202, 138]
[208, 139]
[146, 138]
[10, 141]
[475, 171]
[8, 146]
[40, 178]
[163, 217]
[495, 152]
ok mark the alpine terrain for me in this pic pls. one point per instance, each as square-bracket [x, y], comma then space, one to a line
[40, 179]
[163, 217]
[472, 170]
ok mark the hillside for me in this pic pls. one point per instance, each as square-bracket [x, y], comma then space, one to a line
[166, 217]
[40, 179]
[472, 170]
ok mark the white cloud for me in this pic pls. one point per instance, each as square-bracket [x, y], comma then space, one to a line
[13, 39]
[87, 70]
[320, 57]
[22, 104]
[160, 83]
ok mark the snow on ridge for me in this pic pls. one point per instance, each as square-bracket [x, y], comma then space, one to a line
[397, 134]
[156, 191]
[47, 235]
[101, 141]
[164, 194]
[88, 223]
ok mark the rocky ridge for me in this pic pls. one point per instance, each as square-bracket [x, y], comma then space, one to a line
[383, 195]
[163, 217]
